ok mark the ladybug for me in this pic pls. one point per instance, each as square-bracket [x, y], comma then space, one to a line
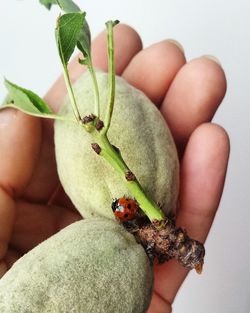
[125, 209]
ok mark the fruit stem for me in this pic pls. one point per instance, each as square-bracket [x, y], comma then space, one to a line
[111, 75]
[71, 94]
[95, 86]
[113, 156]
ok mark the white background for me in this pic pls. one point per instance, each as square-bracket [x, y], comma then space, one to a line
[222, 28]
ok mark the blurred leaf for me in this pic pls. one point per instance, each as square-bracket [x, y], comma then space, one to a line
[27, 101]
[67, 6]
[84, 41]
[48, 3]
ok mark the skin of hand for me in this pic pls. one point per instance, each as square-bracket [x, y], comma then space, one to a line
[33, 205]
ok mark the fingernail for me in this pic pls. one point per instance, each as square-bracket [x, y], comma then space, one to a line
[212, 57]
[6, 117]
[175, 42]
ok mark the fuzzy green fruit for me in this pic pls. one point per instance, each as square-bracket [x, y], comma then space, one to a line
[93, 266]
[141, 134]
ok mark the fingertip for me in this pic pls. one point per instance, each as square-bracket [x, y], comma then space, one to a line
[124, 34]
[129, 33]
[153, 69]
[20, 140]
[178, 44]
[213, 58]
[215, 73]
[211, 77]
[7, 116]
[203, 171]
[215, 136]
[193, 97]
[127, 43]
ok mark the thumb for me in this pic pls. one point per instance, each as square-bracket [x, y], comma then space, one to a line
[20, 139]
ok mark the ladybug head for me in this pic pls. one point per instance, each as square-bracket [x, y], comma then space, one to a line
[114, 204]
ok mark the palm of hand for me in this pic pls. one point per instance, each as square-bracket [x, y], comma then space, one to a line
[32, 204]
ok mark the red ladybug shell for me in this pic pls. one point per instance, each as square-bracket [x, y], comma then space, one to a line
[124, 208]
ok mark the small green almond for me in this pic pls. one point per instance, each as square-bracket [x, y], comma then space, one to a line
[137, 129]
[93, 265]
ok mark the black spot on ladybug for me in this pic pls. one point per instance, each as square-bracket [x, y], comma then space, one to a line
[125, 209]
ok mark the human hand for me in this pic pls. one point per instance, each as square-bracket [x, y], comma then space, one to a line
[32, 204]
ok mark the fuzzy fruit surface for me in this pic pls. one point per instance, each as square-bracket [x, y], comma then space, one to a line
[137, 129]
[93, 265]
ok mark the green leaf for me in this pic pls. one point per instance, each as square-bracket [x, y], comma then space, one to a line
[48, 3]
[17, 94]
[27, 101]
[111, 73]
[84, 45]
[114, 23]
[82, 61]
[84, 41]
[67, 6]
[68, 29]
[67, 33]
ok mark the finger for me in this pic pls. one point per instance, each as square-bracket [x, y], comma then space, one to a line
[35, 223]
[202, 178]
[61, 199]
[3, 268]
[11, 257]
[7, 215]
[20, 137]
[159, 305]
[45, 178]
[18, 153]
[153, 69]
[127, 43]
[193, 98]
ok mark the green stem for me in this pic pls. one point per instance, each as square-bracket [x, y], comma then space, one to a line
[111, 76]
[95, 85]
[110, 153]
[71, 93]
[114, 158]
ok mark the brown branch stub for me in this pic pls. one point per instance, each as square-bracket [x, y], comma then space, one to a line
[99, 124]
[130, 176]
[162, 240]
[96, 148]
[88, 118]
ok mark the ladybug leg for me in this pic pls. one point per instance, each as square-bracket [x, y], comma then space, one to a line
[131, 226]
[149, 249]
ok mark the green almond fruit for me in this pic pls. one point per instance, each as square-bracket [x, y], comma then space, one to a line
[93, 265]
[137, 129]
